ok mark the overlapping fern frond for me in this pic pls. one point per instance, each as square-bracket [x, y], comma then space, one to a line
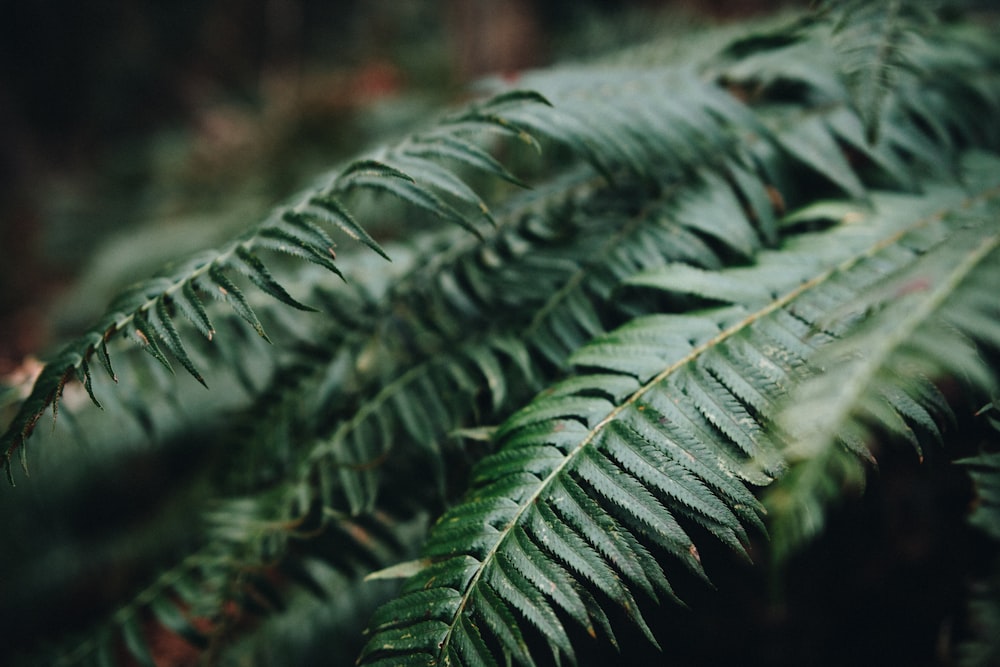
[692, 342]
[664, 428]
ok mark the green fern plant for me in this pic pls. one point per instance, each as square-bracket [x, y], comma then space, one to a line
[739, 275]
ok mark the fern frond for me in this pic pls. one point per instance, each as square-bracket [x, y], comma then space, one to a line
[673, 444]
[638, 120]
[214, 589]
[147, 312]
[985, 472]
[805, 84]
[472, 281]
[917, 317]
[981, 646]
[423, 402]
[873, 40]
[575, 256]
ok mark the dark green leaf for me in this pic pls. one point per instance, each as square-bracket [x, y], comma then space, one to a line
[254, 269]
[231, 293]
[332, 210]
